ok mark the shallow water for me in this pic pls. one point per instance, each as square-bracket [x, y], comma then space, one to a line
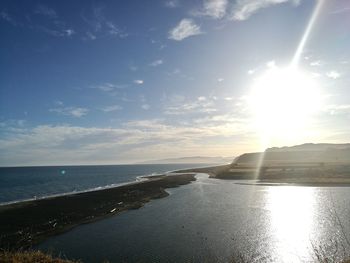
[216, 220]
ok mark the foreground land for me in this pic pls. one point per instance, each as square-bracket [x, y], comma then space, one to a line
[27, 223]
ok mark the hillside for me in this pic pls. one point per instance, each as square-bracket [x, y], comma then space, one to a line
[305, 153]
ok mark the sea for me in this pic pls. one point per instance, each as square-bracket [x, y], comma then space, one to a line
[35, 182]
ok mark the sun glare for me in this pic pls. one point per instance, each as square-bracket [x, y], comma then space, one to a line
[283, 101]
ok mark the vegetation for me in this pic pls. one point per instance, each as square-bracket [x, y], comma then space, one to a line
[30, 257]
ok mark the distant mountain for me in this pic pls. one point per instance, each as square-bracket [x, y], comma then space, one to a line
[305, 153]
[193, 159]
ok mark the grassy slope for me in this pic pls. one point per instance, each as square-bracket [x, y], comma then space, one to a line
[30, 257]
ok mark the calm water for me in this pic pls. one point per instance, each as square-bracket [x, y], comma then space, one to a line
[18, 183]
[210, 219]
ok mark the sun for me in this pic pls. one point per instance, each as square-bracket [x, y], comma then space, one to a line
[283, 101]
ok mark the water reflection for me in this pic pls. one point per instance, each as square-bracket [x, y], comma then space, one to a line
[292, 221]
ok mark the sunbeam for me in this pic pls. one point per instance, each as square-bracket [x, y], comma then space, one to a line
[307, 32]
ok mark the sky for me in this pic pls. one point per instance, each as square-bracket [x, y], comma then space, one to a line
[110, 82]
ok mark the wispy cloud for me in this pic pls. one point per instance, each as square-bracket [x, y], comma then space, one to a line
[156, 63]
[54, 25]
[333, 74]
[145, 106]
[45, 11]
[184, 29]
[8, 18]
[250, 71]
[100, 26]
[109, 87]
[213, 8]
[90, 35]
[55, 32]
[200, 105]
[65, 144]
[244, 9]
[271, 64]
[69, 32]
[316, 63]
[172, 3]
[75, 112]
[338, 109]
[138, 81]
[112, 108]
[340, 11]
[115, 31]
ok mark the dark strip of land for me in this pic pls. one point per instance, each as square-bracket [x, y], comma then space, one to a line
[278, 173]
[27, 223]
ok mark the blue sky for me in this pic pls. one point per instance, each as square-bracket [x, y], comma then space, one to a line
[99, 82]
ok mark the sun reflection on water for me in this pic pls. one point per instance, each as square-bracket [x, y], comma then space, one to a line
[292, 216]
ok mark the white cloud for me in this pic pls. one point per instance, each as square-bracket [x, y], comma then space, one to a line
[109, 87]
[156, 63]
[69, 32]
[333, 74]
[251, 72]
[337, 109]
[75, 112]
[316, 63]
[184, 29]
[13, 124]
[111, 108]
[244, 9]
[180, 107]
[213, 8]
[271, 64]
[220, 79]
[90, 35]
[138, 81]
[132, 141]
[145, 106]
[172, 3]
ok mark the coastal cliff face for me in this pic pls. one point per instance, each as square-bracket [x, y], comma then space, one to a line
[307, 164]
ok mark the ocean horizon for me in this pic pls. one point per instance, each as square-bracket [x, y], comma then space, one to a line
[19, 184]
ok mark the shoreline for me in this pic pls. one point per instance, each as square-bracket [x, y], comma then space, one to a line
[27, 223]
[316, 177]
